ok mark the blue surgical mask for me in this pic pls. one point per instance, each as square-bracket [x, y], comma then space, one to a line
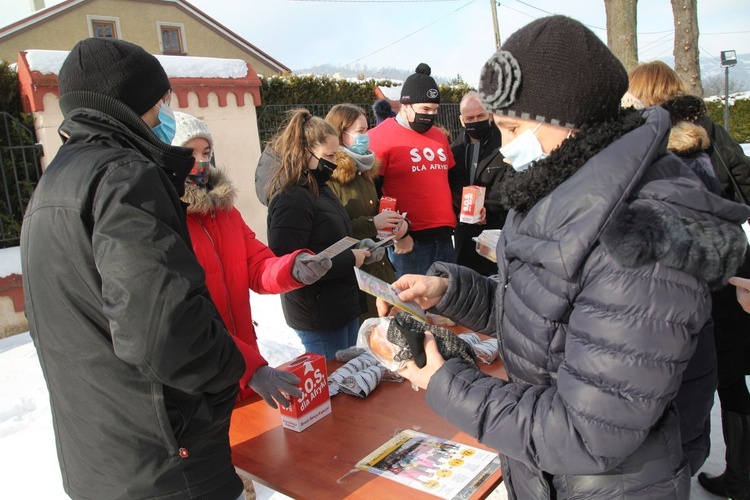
[361, 143]
[523, 150]
[166, 128]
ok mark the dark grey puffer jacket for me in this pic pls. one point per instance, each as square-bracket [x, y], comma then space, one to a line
[598, 303]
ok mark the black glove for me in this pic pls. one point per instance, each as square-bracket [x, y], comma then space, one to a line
[307, 269]
[375, 255]
[269, 382]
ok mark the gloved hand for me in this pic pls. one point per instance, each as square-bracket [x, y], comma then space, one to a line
[375, 255]
[269, 382]
[308, 270]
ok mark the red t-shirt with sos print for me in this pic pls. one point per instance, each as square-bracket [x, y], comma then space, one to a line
[415, 172]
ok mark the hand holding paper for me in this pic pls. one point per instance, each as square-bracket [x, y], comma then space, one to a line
[379, 288]
[425, 291]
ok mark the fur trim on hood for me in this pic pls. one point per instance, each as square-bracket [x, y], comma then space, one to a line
[219, 196]
[346, 170]
[686, 139]
[644, 232]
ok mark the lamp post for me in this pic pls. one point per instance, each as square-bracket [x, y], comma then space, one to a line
[728, 59]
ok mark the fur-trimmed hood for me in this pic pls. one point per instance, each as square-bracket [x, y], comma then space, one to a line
[219, 196]
[686, 139]
[346, 170]
[636, 200]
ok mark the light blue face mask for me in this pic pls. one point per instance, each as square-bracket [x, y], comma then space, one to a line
[523, 150]
[361, 143]
[167, 127]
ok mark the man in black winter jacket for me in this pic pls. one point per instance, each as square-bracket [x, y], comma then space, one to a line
[479, 162]
[141, 372]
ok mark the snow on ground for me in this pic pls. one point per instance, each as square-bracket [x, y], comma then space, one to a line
[10, 261]
[28, 460]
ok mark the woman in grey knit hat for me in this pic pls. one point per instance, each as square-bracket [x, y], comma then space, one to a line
[604, 269]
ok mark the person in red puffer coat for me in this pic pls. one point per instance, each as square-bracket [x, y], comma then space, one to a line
[235, 261]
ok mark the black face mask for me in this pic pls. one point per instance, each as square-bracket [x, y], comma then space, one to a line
[422, 122]
[479, 130]
[324, 171]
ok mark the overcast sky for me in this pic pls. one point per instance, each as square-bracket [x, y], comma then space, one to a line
[452, 36]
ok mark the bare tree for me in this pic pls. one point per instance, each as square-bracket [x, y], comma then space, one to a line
[686, 50]
[621, 30]
[714, 85]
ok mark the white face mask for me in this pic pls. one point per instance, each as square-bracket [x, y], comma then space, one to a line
[523, 150]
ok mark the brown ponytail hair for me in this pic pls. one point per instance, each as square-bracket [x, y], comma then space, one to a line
[343, 116]
[302, 132]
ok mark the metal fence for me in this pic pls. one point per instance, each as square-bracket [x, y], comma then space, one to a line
[20, 156]
[271, 117]
[20, 170]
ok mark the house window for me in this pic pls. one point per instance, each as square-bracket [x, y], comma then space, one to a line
[172, 41]
[104, 27]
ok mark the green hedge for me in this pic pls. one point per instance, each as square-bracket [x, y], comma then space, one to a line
[10, 100]
[311, 89]
[739, 117]
[20, 178]
[318, 94]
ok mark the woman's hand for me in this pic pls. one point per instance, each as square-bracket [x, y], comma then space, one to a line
[420, 377]
[360, 255]
[424, 290]
[404, 245]
[743, 292]
[402, 229]
[388, 220]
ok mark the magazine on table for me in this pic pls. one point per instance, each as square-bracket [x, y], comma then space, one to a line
[437, 466]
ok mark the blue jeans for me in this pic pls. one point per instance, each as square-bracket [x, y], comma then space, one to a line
[425, 253]
[328, 342]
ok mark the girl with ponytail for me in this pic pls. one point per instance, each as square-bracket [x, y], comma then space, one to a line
[304, 213]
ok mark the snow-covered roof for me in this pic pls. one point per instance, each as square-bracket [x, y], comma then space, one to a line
[52, 12]
[48, 62]
[392, 93]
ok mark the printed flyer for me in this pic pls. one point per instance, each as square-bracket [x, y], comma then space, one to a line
[433, 465]
[379, 288]
[338, 247]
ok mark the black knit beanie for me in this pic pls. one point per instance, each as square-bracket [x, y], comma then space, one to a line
[420, 87]
[115, 68]
[554, 70]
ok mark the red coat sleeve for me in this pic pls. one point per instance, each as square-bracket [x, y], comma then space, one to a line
[253, 361]
[266, 272]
